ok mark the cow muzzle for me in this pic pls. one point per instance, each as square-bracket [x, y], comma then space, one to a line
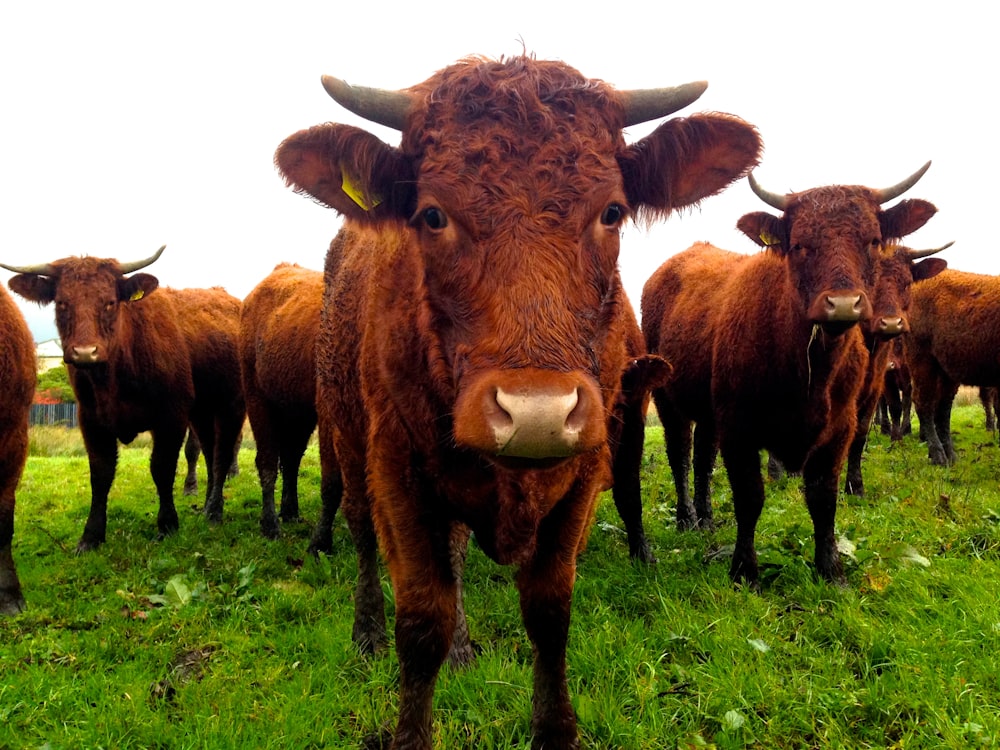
[530, 414]
[837, 310]
[82, 356]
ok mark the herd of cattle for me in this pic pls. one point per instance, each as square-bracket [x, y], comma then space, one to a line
[473, 365]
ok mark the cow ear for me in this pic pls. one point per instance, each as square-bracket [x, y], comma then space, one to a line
[928, 268]
[349, 170]
[136, 286]
[40, 289]
[763, 228]
[905, 218]
[688, 159]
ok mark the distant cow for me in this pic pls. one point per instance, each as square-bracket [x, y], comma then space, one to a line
[17, 388]
[954, 338]
[767, 352]
[142, 359]
[278, 329]
[472, 342]
[192, 450]
[895, 406]
[897, 272]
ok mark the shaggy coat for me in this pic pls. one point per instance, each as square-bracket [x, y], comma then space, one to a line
[767, 354]
[472, 343]
[143, 359]
[17, 388]
[278, 329]
[954, 338]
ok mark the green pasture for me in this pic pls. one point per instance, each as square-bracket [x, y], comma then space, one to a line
[217, 638]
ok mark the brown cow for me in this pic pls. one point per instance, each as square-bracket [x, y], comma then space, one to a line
[893, 416]
[192, 450]
[767, 353]
[989, 396]
[278, 329]
[897, 272]
[473, 342]
[953, 340]
[141, 358]
[17, 388]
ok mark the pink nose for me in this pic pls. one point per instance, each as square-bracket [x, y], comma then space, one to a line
[84, 355]
[534, 414]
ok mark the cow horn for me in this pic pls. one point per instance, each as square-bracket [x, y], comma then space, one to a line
[385, 107]
[774, 200]
[917, 254]
[42, 269]
[887, 194]
[643, 105]
[137, 264]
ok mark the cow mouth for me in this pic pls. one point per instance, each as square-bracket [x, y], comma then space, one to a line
[517, 464]
[835, 328]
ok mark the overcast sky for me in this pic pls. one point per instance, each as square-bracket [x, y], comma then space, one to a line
[129, 125]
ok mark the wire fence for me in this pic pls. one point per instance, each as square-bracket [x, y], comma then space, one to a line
[53, 414]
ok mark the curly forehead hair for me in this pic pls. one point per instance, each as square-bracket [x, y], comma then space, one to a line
[508, 123]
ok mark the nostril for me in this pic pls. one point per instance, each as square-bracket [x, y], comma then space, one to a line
[577, 418]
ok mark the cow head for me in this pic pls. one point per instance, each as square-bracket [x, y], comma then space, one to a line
[88, 293]
[832, 238]
[510, 188]
[898, 269]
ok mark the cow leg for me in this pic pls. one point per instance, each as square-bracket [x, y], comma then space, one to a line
[677, 435]
[461, 652]
[228, 426]
[266, 461]
[295, 439]
[942, 422]
[11, 599]
[705, 448]
[906, 408]
[854, 482]
[369, 631]
[102, 453]
[167, 442]
[426, 606]
[545, 585]
[627, 489]
[743, 466]
[821, 475]
[331, 492]
[192, 449]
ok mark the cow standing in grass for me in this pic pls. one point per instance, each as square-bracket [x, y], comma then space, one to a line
[278, 329]
[898, 270]
[767, 352]
[142, 359]
[472, 343]
[954, 338]
[17, 388]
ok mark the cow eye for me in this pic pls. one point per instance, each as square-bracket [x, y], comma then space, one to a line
[434, 218]
[613, 214]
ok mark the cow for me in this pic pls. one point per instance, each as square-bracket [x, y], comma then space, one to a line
[895, 406]
[767, 352]
[472, 342]
[192, 450]
[277, 343]
[953, 340]
[141, 358]
[17, 389]
[898, 270]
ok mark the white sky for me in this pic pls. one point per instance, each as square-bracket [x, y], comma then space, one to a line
[128, 125]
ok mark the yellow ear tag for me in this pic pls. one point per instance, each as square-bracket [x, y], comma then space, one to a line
[138, 294]
[354, 192]
[769, 239]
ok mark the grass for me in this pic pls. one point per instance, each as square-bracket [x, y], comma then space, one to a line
[217, 638]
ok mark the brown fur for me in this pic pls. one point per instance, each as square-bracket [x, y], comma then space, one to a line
[954, 337]
[754, 366]
[164, 358]
[278, 330]
[17, 388]
[488, 267]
